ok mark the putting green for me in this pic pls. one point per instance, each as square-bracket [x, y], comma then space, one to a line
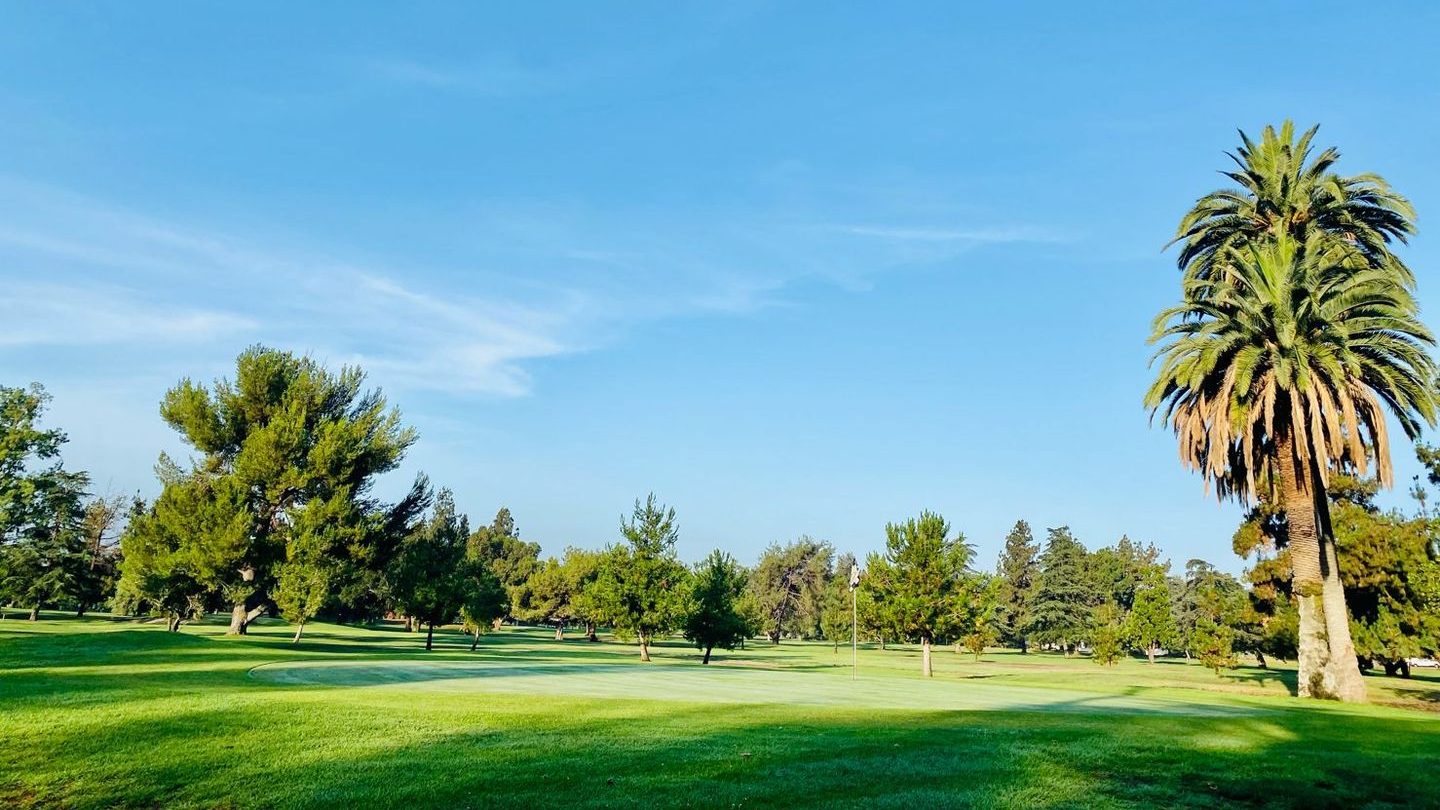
[720, 684]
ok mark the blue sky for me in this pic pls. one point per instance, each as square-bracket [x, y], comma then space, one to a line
[797, 268]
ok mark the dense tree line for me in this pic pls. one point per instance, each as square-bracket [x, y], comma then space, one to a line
[274, 515]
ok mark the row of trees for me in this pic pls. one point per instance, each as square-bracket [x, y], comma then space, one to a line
[274, 513]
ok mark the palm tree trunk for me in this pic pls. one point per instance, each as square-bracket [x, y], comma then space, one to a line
[1308, 583]
[1344, 665]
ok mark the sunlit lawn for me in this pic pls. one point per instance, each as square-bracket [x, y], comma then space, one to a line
[101, 713]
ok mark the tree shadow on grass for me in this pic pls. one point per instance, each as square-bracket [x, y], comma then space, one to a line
[565, 752]
[1264, 677]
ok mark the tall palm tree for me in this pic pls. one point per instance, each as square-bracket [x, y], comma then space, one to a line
[1280, 371]
[1280, 190]
[1284, 192]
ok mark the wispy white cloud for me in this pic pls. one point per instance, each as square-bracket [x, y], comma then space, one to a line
[77, 272]
[113, 279]
[67, 315]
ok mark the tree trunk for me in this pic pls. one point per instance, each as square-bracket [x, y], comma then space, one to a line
[1024, 646]
[882, 643]
[409, 624]
[430, 636]
[644, 647]
[559, 631]
[173, 623]
[299, 628]
[1344, 665]
[1404, 668]
[1298, 499]
[237, 620]
[239, 613]
[1150, 651]
[925, 668]
[35, 614]
[706, 659]
[1260, 659]
[590, 632]
[475, 642]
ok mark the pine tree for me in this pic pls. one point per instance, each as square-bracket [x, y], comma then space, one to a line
[1151, 621]
[1017, 569]
[1059, 611]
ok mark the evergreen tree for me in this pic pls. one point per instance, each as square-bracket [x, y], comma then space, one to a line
[789, 584]
[1108, 635]
[837, 609]
[43, 559]
[300, 448]
[512, 560]
[431, 577]
[1017, 570]
[920, 579]
[1151, 621]
[1063, 597]
[641, 586]
[579, 569]
[301, 589]
[714, 619]
[979, 608]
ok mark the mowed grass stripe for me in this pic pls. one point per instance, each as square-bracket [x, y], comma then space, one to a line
[715, 684]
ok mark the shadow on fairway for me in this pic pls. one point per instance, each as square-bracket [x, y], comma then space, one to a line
[573, 753]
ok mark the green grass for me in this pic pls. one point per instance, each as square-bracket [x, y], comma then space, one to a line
[101, 713]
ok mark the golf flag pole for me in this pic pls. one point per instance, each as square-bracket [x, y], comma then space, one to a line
[854, 622]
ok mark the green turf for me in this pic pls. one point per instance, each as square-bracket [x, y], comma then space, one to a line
[116, 713]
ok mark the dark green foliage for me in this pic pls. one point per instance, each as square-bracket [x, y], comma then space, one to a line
[1017, 570]
[1385, 566]
[564, 591]
[1107, 644]
[921, 579]
[513, 561]
[1150, 624]
[433, 579]
[789, 583]
[44, 557]
[714, 619]
[300, 447]
[1214, 644]
[1207, 599]
[837, 607]
[979, 607]
[1120, 570]
[1064, 596]
[641, 587]
[301, 590]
